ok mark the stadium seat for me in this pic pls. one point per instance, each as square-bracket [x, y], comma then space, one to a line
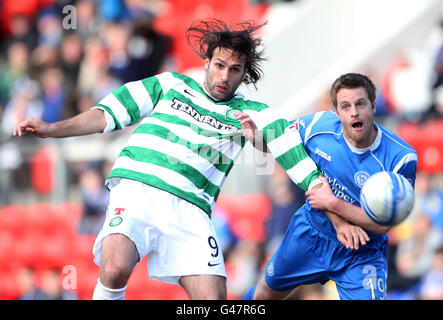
[42, 167]
[428, 143]
[11, 217]
[25, 250]
[42, 217]
[432, 147]
[54, 251]
[6, 247]
[86, 276]
[246, 214]
[70, 214]
[8, 286]
[81, 249]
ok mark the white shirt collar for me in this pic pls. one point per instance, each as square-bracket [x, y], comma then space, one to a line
[372, 147]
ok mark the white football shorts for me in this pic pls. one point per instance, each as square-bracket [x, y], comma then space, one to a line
[177, 235]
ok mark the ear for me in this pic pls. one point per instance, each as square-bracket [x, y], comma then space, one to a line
[207, 61]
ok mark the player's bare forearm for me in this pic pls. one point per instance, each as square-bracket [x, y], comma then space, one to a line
[356, 215]
[91, 121]
[349, 235]
[322, 198]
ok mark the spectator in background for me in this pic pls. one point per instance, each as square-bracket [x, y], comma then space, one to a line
[87, 21]
[54, 95]
[52, 286]
[431, 203]
[112, 10]
[149, 51]
[414, 254]
[28, 287]
[94, 78]
[285, 198]
[438, 63]
[407, 84]
[21, 30]
[115, 37]
[431, 287]
[25, 102]
[49, 27]
[15, 67]
[71, 55]
[95, 198]
[243, 265]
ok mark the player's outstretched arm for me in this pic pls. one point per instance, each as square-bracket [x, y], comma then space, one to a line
[88, 122]
[322, 198]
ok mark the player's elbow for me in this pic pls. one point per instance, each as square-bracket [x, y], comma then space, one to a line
[378, 229]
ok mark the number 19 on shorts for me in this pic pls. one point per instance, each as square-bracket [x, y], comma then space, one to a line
[375, 285]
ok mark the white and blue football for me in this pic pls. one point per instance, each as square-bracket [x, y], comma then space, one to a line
[387, 198]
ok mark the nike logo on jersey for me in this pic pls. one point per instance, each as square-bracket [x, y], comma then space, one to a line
[323, 154]
[212, 264]
[187, 92]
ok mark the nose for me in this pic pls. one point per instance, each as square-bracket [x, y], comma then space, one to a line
[354, 111]
[224, 75]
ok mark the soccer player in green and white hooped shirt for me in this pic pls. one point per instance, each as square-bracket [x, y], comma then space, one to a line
[164, 184]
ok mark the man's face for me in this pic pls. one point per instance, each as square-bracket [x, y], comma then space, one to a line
[356, 114]
[224, 73]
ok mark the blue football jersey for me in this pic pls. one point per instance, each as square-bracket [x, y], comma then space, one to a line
[345, 167]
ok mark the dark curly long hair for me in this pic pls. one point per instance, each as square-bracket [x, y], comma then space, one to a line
[206, 35]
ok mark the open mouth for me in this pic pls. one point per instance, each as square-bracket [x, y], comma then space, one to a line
[357, 125]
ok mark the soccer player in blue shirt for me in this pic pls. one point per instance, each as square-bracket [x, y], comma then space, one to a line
[348, 147]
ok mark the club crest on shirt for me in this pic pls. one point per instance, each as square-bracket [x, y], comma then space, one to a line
[360, 177]
[230, 113]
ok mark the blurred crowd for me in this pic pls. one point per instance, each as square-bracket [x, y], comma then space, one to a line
[51, 70]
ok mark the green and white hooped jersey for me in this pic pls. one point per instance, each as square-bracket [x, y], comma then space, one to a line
[186, 143]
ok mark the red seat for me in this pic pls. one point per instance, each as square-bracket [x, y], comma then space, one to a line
[11, 217]
[42, 218]
[42, 170]
[86, 279]
[54, 251]
[6, 248]
[25, 250]
[427, 141]
[246, 214]
[9, 288]
[81, 250]
[70, 214]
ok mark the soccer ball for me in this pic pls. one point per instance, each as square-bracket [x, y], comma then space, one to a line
[387, 198]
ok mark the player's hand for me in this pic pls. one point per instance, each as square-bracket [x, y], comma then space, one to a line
[32, 126]
[351, 236]
[248, 126]
[250, 131]
[321, 197]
